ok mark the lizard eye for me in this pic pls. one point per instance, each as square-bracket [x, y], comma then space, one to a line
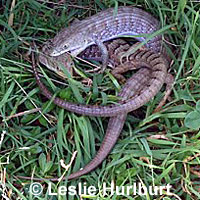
[65, 46]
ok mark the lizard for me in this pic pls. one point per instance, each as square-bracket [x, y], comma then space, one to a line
[139, 22]
[153, 59]
[114, 128]
[103, 26]
[138, 83]
[95, 30]
[115, 125]
[133, 86]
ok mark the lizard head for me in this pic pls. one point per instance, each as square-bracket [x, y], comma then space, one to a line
[68, 40]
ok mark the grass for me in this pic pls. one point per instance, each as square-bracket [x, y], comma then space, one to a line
[153, 149]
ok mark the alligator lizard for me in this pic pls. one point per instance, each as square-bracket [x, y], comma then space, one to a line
[148, 58]
[133, 85]
[154, 64]
[139, 83]
[104, 26]
[136, 85]
[95, 30]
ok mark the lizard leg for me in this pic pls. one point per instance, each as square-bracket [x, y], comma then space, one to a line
[119, 70]
[169, 82]
[104, 54]
[125, 55]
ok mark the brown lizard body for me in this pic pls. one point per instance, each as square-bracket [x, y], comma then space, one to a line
[152, 74]
[147, 77]
[104, 26]
[139, 83]
[133, 86]
[148, 58]
[115, 124]
[95, 30]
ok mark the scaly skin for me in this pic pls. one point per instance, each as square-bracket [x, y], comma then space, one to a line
[104, 26]
[97, 29]
[139, 83]
[115, 125]
[146, 58]
[115, 48]
[154, 72]
[133, 86]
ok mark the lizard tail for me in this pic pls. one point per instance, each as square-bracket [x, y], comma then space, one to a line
[115, 126]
